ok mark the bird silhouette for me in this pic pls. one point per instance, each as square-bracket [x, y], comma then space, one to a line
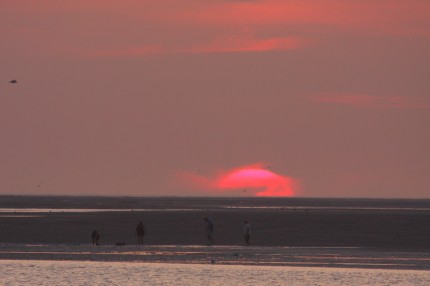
[14, 81]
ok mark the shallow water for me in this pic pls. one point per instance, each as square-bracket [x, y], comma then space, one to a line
[82, 210]
[335, 257]
[294, 222]
[25, 272]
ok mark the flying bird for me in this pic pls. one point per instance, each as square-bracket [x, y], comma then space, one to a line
[14, 81]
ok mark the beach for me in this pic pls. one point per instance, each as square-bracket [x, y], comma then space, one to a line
[120, 273]
[325, 238]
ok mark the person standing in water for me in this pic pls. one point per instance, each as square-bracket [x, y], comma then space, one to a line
[95, 237]
[246, 231]
[209, 231]
[140, 232]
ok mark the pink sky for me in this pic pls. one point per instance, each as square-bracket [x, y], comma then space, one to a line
[119, 97]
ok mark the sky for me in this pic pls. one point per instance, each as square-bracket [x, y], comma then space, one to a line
[307, 98]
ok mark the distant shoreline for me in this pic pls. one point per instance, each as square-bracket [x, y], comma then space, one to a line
[211, 197]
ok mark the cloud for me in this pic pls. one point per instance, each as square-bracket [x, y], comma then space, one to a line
[226, 26]
[372, 101]
[224, 45]
[133, 51]
[249, 180]
[243, 44]
[397, 17]
[143, 28]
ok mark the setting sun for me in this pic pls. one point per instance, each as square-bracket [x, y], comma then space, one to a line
[254, 180]
[266, 182]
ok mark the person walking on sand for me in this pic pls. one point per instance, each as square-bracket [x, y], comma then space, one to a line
[140, 232]
[95, 237]
[209, 231]
[246, 231]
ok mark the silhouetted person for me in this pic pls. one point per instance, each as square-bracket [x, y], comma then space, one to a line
[210, 231]
[246, 231]
[95, 237]
[14, 81]
[140, 232]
